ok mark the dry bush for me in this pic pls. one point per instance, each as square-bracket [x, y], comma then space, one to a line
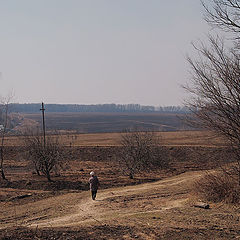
[47, 157]
[218, 187]
[141, 151]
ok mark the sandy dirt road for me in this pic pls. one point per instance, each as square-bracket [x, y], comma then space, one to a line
[116, 205]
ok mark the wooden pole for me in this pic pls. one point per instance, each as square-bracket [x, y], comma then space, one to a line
[43, 122]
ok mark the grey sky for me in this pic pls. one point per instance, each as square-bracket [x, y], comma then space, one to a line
[97, 51]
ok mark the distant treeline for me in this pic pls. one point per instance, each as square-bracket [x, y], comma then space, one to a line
[35, 107]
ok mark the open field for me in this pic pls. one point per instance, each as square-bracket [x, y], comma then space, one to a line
[109, 122]
[179, 138]
[156, 204]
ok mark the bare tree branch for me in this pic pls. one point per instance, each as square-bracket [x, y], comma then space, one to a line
[141, 151]
[215, 91]
[224, 14]
[5, 120]
[46, 158]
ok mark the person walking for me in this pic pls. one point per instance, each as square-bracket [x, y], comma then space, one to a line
[94, 184]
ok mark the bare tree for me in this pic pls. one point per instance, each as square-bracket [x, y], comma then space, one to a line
[215, 80]
[224, 14]
[5, 122]
[141, 151]
[47, 157]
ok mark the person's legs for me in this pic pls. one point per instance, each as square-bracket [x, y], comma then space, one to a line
[94, 194]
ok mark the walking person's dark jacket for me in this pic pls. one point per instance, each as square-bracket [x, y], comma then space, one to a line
[94, 184]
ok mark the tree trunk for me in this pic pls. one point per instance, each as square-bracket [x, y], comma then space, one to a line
[38, 173]
[3, 175]
[47, 172]
[36, 168]
[1, 166]
[49, 177]
[238, 173]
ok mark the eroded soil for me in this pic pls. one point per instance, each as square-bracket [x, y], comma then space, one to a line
[157, 210]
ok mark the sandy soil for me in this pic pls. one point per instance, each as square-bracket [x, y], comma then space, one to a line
[157, 210]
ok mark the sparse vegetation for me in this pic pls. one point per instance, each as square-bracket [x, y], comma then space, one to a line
[141, 151]
[46, 157]
[151, 210]
[218, 187]
[153, 199]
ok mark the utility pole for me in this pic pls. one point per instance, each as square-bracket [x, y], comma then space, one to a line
[43, 122]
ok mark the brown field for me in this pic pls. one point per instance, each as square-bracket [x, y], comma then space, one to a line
[107, 122]
[179, 138]
[157, 204]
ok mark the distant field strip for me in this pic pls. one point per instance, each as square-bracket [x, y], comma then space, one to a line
[109, 122]
[156, 124]
[178, 138]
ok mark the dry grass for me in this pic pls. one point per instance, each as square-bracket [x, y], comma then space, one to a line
[158, 210]
[179, 138]
[154, 210]
[218, 187]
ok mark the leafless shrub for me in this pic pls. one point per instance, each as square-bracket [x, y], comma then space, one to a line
[141, 151]
[218, 187]
[48, 157]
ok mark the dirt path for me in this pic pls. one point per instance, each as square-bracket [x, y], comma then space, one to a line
[116, 205]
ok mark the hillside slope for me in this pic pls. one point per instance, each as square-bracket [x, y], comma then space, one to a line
[158, 210]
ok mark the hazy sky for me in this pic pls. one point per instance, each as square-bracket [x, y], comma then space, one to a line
[97, 51]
